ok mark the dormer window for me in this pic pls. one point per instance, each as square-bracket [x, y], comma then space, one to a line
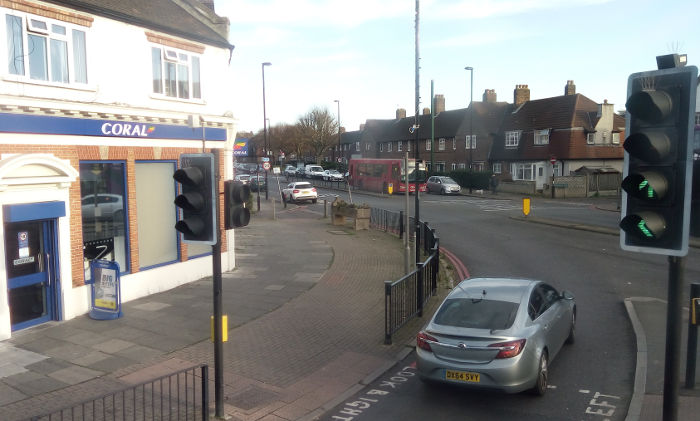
[542, 137]
[616, 138]
[512, 138]
[590, 138]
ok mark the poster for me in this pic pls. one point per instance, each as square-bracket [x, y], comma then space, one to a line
[105, 288]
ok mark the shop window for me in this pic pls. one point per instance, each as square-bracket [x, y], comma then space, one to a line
[155, 193]
[104, 213]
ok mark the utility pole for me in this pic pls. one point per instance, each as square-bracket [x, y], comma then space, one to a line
[415, 133]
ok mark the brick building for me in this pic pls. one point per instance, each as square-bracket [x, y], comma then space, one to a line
[98, 100]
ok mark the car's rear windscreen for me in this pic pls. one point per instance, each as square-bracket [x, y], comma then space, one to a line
[477, 313]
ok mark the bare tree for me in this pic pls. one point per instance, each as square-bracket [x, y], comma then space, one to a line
[319, 128]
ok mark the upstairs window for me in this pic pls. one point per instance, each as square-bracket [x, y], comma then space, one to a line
[389, 146]
[616, 138]
[542, 137]
[470, 141]
[428, 145]
[590, 138]
[48, 50]
[512, 139]
[441, 144]
[357, 146]
[399, 146]
[176, 74]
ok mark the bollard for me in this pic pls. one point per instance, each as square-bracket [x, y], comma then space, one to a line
[693, 321]
[325, 214]
[274, 210]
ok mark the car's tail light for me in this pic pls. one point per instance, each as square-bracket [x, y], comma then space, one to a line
[313, 189]
[295, 191]
[422, 341]
[509, 349]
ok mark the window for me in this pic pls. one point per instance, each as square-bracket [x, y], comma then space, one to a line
[605, 136]
[542, 137]
[523, 171]
[428, 145]
[176, 74]
[590, 138]
[497, 168]
[440, 166]
[357, 146]
[389, 146]
[477, 313]
[381, 147]
[512, 138]
[399, 146]
[454, 143]
[470, 142]
[368, 146]
[104, 208]
[462, 166]
[45, 50]
[556, 168]
[616, 138]
[408, 146]
[454, 166]
[156, 217]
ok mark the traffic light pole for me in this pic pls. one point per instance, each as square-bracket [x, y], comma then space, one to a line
[217, 294]
[673, 338]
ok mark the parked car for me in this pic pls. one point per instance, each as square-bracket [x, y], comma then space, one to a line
[102, 206]
[243, 178]
[443, 185]
[290, 170]
[313, 171]
[497, 333]
[257, 183]
[299, 191]
[332, 175]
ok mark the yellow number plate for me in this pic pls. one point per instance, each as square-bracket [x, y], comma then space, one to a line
[462, 376]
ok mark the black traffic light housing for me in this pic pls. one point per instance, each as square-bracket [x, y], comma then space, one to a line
[197, 199]
[658, 161]
[236, 195]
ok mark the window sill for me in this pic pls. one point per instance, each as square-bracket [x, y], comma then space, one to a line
[28, 81]
[180, 100]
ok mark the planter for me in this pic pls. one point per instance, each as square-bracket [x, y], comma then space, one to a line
[359, 215]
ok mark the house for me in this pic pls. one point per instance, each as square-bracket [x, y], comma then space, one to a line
[555, 136]
[98, 101]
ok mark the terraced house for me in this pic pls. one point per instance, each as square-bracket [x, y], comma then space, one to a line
[527, 140]
[98, 100]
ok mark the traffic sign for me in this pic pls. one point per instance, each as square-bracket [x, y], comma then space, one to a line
[553, 159]
[266, 166]
[265, 159]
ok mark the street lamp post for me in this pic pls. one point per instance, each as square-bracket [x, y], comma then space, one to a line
[339, 148]
[471, 122]
[264, 130]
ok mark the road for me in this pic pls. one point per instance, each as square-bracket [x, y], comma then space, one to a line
[590, 380]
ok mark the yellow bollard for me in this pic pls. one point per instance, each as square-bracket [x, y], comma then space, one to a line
[224, 328]
[526, 206]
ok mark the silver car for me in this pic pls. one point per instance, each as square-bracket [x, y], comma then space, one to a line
[497, 333]
[442, 185]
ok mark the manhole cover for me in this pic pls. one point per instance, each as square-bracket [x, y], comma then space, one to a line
[252, 398]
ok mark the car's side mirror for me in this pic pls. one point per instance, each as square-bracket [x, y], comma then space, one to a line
[566, 295]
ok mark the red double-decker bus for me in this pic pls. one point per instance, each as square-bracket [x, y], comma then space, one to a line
[378, 174]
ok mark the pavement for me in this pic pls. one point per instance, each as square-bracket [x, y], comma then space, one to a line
[306, 330]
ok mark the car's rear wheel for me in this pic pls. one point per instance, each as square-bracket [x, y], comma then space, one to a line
[314, 201]
[542, 375]
[572, 331]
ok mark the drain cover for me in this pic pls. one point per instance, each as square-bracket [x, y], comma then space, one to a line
[251, 398]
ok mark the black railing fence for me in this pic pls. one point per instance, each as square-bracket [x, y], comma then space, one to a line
[405, 298]
[183, 395]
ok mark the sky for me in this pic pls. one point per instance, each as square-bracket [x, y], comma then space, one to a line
[362, 52]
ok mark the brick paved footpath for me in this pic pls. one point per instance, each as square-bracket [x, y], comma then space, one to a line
[306, 312]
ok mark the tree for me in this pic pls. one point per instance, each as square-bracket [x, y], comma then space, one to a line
[319, 128]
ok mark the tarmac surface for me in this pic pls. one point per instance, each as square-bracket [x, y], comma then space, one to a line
[306, 330]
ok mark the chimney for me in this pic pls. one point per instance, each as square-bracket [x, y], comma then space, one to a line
[489, 95]
[521, 94]
[605, 110]
[362, 126]
[439, 103]
[400, 113]
[570, 88]
[426, 111]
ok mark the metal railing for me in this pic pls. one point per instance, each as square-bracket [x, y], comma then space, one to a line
[405, 298]
[183, 395]
[387, 221]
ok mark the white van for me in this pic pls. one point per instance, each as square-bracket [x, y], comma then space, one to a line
[313, 171]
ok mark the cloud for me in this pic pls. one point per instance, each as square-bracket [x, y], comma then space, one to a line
[479, 39]
[305, 13]
[479, 9]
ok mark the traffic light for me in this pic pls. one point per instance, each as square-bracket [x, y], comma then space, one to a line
[197, 199]
[236, 196]
[658, 161]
